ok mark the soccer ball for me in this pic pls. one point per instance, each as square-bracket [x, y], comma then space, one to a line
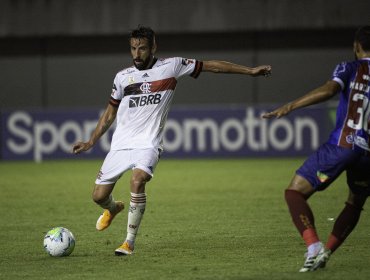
[59, 242]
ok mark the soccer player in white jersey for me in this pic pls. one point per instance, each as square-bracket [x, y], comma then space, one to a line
[140, 100]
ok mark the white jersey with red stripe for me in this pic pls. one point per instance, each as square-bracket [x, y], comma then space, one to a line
[143, 99]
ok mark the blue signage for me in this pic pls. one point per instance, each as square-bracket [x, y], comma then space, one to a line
[190, 132]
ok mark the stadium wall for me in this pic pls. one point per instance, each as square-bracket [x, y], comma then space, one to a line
[112, 17]
[65, 53]
[75, 73]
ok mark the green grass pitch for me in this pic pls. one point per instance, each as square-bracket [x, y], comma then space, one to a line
[205, 219]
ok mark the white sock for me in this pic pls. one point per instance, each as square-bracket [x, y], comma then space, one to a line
[109, 203]
[314, 249]
[135, 214]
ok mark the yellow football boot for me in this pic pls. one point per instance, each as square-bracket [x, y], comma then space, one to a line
[124, 250]
[107, 217]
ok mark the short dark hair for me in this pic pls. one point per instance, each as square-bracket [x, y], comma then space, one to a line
[362, 36]
[143, 32]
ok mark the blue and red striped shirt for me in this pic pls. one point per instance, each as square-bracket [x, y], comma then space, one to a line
[352, 128]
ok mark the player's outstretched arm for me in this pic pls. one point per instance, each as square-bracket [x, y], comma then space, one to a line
[318, 95]
[217, 66]
[104, 123]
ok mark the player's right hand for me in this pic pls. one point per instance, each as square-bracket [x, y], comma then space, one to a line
[279, 112]
[81, 147]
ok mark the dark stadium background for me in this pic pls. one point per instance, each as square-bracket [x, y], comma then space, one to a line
[66, 53]
[59, 58]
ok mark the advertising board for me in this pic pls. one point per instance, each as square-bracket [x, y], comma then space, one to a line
[236, 131]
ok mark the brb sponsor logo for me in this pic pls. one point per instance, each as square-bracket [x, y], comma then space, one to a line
[139, 101]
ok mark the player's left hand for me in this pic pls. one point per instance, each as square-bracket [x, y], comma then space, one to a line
[263, 70]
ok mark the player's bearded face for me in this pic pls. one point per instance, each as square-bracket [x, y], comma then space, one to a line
[141, 53]
[141, 64]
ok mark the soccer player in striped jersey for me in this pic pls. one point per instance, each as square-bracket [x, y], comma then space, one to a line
[347, 149]
[140, 100]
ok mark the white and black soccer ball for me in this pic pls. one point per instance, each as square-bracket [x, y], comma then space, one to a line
[59, 242]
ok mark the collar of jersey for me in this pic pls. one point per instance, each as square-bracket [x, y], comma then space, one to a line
[151, 65]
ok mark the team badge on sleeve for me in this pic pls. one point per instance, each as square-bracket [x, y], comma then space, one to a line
[186, 61]
[340, 69]
[114, 89]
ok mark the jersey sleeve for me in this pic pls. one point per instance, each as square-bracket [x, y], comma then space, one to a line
[341, 74]
[186, 66]
[116, 95]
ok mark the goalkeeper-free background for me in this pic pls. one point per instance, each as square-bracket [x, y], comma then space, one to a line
[205, 219]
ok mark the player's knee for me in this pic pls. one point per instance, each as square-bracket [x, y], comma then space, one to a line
[356, 201]
[138, 182]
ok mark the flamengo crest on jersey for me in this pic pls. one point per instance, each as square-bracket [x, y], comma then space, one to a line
[143, 99]
[353, 113]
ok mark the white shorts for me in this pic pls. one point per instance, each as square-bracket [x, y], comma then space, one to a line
[118, 162]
